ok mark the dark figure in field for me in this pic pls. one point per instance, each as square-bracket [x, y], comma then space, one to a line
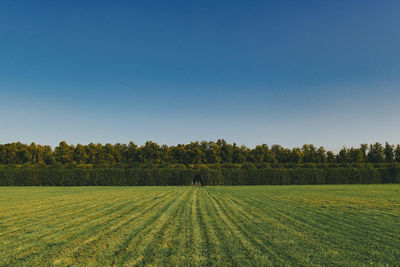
[197, 180]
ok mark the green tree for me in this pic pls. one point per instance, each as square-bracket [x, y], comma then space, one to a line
[296, 155]
[150, 153]
[321, 155]
[194, 153]
[80, 155]
[356, 155]
[364, 149]
[310, 154]
[330, 157]
[238, 153]
[211, 153]
[109, 154]
[225, 151]
[397, 153]
[120, 152]
[132, 153]
[343, 156]
[376, 153]
[64, 153]
[389, 152]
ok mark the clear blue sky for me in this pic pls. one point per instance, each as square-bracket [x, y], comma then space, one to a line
[252, 72]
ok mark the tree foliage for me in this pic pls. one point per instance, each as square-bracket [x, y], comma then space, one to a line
[204, 152]
[219, 152]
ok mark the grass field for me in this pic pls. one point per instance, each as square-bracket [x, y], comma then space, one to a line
[247, 225]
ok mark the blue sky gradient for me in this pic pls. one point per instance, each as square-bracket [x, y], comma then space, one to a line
[251, 72]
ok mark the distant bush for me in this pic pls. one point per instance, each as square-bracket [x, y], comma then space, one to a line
[247, 174]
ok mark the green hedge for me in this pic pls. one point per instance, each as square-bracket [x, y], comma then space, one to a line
[115, 176]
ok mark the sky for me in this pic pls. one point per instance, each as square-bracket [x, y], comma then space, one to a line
[251, 72]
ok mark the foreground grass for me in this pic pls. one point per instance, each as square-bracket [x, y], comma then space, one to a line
[254, 225]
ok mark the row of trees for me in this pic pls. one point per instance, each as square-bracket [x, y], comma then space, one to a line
[204, 152]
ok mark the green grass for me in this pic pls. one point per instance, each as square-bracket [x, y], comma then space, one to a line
[334, 225]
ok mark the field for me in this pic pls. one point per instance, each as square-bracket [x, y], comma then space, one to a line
[244, 225]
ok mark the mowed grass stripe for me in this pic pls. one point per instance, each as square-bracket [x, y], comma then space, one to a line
[338, 237]
[101, 236]
[45, 201]
[65, 220]
[304, 234]
[208, 243]
[216, 232]
[109, 236]
[53, 205]
[74, 205]
[48, 235]
[65, 212]
[77, 228]
[261, 240]
[343, 217]
[168, 250]
[88, 240]
[346, 223]
[244, 249]
[135, 247]
[155, 241]
[183, 249]
[194, 241]
[343, 225]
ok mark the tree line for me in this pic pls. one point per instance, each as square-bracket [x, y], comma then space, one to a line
[205, 152]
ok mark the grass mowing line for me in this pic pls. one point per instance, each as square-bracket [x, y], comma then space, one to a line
[343, 238]
[160, 248]
[55, 241]
[59, 218]
[144, 235]
[245, 248]
[291, 233]
[193, 239]
[26, 251]
[341, 227]
[185, 243]
[100, 237]
[299, 226]
[65, 215]
[33, 211]
[186, 249]
[217, 235]
[146, 253]
[346, 221]
[169, 251]
[207, 248]
[55, 201]
[247, 228]
[116, 231]
[67, 226]
[57, 206]
[343, 218]
[234, 212]
[249, 216]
